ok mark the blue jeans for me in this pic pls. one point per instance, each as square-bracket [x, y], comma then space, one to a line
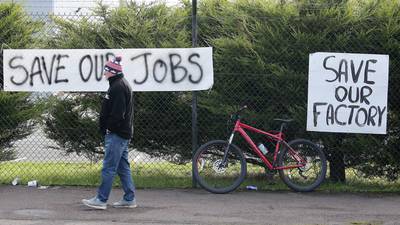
[116, 161]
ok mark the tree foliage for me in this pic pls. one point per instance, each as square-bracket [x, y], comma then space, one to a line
[261, 57]
[261, 51]
[17, 110]
[134, 26]
[72, 122]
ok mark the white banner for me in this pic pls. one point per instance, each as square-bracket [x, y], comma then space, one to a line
[347, 93]
[81, 70]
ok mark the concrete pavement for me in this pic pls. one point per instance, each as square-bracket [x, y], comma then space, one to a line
[23, 205]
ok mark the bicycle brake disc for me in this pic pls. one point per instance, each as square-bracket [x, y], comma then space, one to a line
[218, 166]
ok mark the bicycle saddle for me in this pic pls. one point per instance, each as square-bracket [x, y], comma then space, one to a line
[284, 120]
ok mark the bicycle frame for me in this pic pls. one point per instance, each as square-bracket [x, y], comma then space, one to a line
[278, 138]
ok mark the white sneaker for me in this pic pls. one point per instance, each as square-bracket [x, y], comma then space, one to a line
[94, 203]
[125, 204]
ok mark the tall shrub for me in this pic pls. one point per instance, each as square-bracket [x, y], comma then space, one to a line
[158, 130]
[261, 57]
[17, 110]
[261, 51]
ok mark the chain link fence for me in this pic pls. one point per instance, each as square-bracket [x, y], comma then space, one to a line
[59, 143]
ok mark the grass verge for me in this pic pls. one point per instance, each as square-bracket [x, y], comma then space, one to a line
[159, 175]
[165, 175]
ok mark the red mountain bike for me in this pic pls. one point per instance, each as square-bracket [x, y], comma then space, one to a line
[220, 166]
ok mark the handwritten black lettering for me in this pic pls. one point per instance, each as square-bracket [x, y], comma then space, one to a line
[109, 55]
[146, 65]
[336, 115]
[348, 114]
[342, 73]
[340, 97]
[353, 94]
[60, 67]
[380, 114]
[38, 71]
[367, 70]
[95, 67]
[52, 69]
[162, 65]
[98, 75]
[330, 68]
[316, 112]
[18, 66]
[48, 73]
[356, 74]
[364, 114]
[372, 112]
[83, 59]
[176, 66]
[365, 92]
[198, 65]
[352, 107]
[330, 115]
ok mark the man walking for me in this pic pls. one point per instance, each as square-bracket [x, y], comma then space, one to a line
[116, 126]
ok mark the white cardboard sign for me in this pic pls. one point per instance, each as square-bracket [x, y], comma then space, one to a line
[347, 93]
[81, 70]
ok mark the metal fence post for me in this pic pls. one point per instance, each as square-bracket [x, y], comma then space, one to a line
[195, 131]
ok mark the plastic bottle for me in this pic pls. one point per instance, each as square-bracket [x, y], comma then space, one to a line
[263, 149]
[251, 187]
[15, 181]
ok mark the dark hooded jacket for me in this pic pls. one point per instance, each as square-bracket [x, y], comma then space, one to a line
[116, 114]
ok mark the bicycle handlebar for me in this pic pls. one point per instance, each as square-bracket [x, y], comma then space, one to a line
[235, 115]
[241, 109]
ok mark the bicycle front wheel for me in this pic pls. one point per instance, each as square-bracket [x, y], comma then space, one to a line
[215, 175]
[313, 165]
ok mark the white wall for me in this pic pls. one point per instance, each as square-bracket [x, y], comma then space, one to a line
[79, 6]
[35, 6]
[73, 6]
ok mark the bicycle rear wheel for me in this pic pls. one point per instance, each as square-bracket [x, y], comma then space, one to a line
[210, 172]
[307, 177]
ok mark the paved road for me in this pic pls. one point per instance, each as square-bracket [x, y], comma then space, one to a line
[38, 148]
[61, 205]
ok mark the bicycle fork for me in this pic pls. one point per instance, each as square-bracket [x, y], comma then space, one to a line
[223, 163]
